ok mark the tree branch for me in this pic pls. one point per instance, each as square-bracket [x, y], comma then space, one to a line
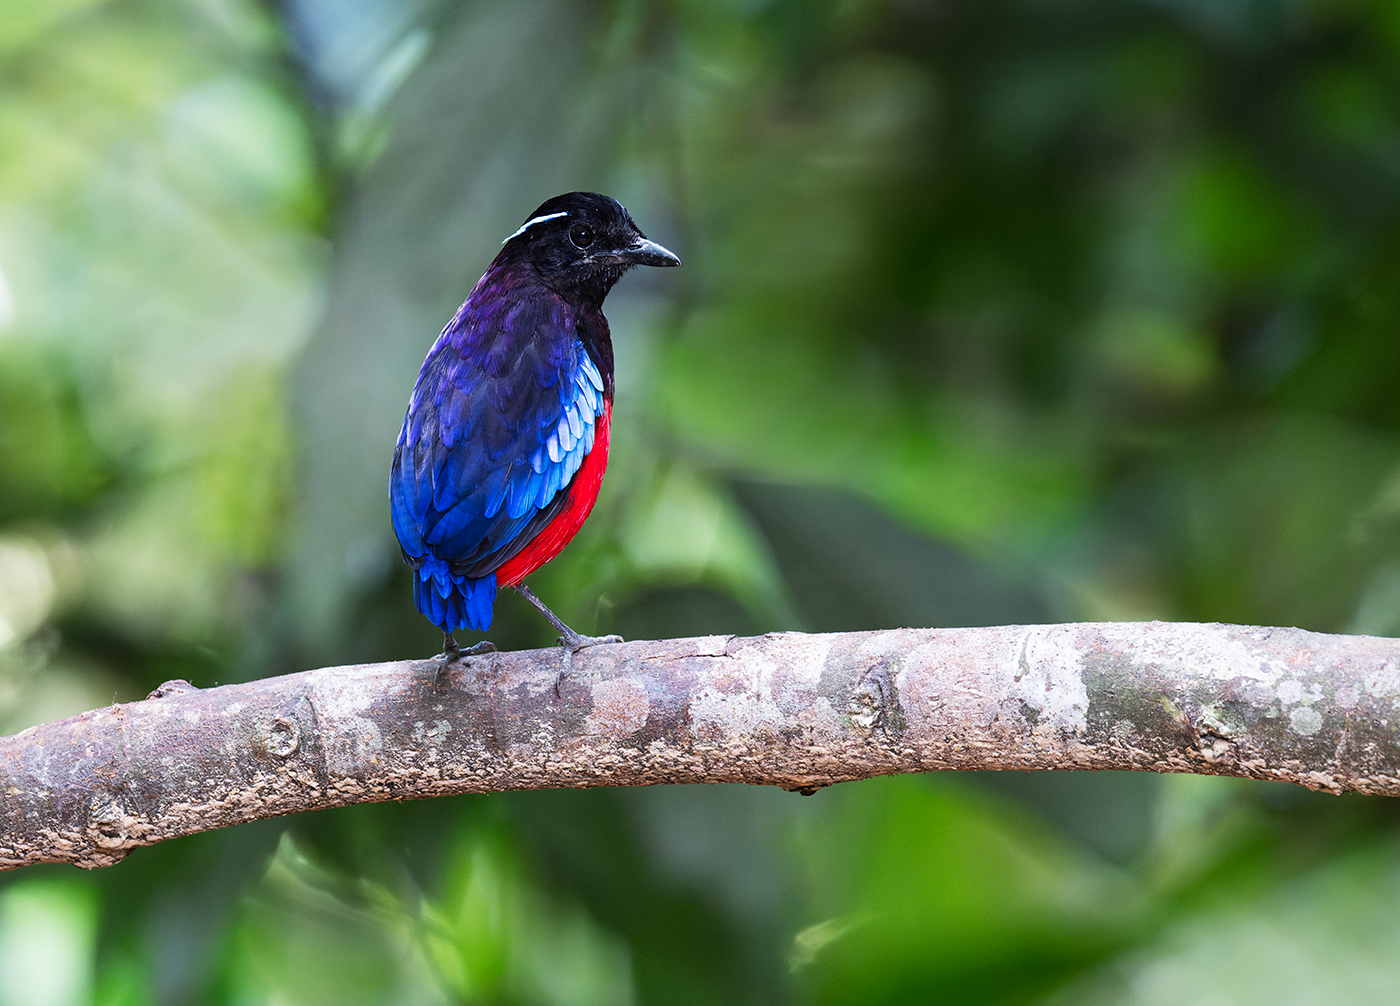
[791, 710]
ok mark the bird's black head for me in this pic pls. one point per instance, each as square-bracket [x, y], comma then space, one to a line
[581, 243]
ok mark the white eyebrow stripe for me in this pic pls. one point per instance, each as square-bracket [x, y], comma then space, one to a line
[536, 220]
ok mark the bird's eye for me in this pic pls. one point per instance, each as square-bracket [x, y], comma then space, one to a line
[581, 235]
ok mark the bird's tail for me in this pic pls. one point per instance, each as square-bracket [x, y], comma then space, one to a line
[451, 601]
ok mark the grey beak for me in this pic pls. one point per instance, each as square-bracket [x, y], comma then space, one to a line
[644, 252]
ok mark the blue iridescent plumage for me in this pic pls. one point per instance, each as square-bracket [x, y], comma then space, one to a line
[479, 456]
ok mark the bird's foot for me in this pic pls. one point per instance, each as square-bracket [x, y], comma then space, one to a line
[451, 652]
[572, 642]
[578, 641]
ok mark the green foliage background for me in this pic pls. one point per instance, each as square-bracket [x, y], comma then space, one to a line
[993, 311]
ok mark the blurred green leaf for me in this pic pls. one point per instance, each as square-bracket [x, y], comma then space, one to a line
[1330, 936]
[938, 887]
[49, 463]
[46, 942]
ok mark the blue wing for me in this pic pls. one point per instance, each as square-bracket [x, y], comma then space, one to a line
[487, 444]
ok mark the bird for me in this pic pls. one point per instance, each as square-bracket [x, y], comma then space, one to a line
[505, 440]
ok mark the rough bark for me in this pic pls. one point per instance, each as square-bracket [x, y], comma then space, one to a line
[791, 710]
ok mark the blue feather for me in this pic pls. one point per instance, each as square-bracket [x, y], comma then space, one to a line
[495, 498]
[453, 602]
[590, 370]
[560, 480]
[480, 454]
[522, 493]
